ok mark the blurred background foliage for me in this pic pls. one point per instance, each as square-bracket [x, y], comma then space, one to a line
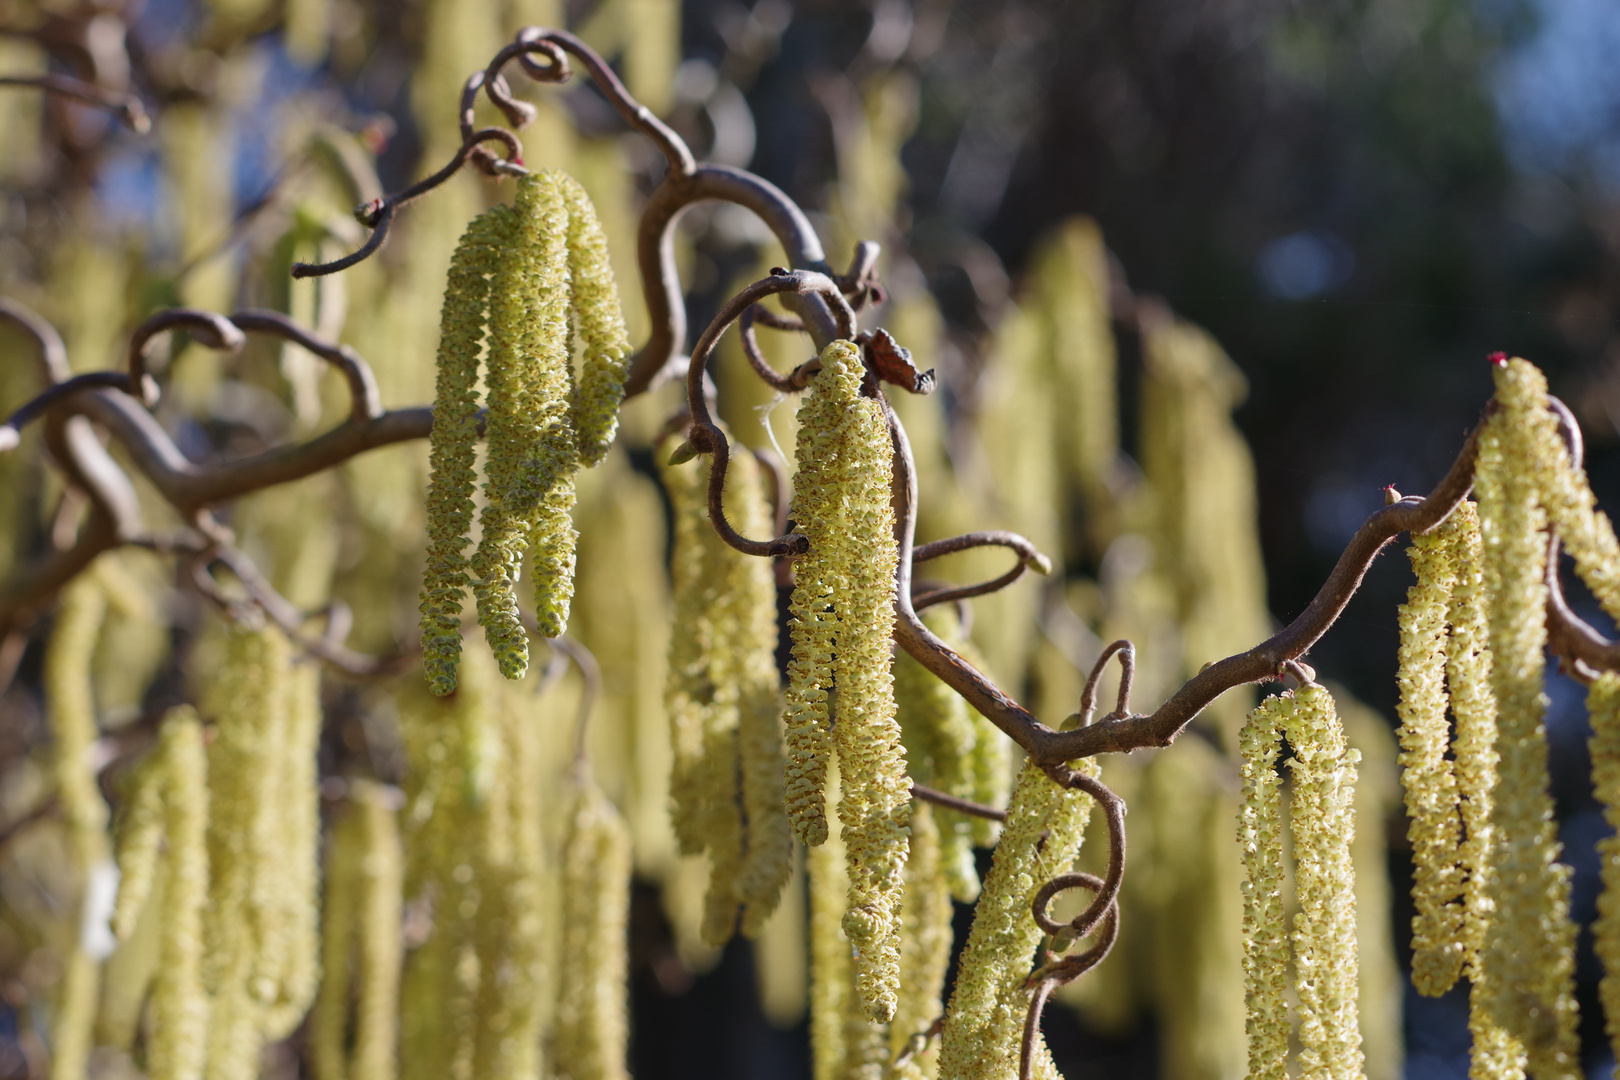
[1355, 200]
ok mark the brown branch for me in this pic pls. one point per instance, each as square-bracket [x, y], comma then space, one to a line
[957, 803]
[127, 107]
[1127, 675]
[214, 331]
[1065, 969]
[378, 215]
[10, 431]
[51, 352]
[1114, 813]
[365, 401]
[1029, 558]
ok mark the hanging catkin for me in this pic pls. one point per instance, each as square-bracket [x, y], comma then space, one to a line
[1603, 704]
[1530, 951]
[73, 725]
[535, 273]
[1265, 934]
[361, 941]
[1496, 1055]
[1323, 770]
[454, 444]
[844, 588]
[830, 968]
[179, 1009]
[592, 1025]
[1426, 774]
[942, 752]
[925, 949]
[985, 1021]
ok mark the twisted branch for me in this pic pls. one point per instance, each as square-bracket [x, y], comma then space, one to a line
[1029, 558]
[127, 107]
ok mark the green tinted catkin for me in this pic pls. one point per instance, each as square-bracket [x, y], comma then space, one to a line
[1530, 951]
[1265, 933]
[599, 321]
[925, 948]
[985, 1021]
[1426, 774]
[453, 448]
[1603, 705]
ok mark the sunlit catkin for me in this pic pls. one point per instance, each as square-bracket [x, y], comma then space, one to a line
[1603, 704]
[850, 525]
[599, 322]
[179, 1009]
[592, 994]
[1530, 951]
[529, 471]
[984, 1023]
[1323, 769]
[830, 982]
[1426, 774]
[1265, 932]
[453, 445]
[73, 725]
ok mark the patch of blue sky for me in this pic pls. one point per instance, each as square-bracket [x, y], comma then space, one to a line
[1558, 91]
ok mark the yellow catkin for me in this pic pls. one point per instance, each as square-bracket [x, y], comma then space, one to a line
[361, 942]
[1323, 769]
[453, 445]
[1496, 1056]
[244, 836]
[1567, 496]
[531, 451]
[140, 835]
[179, 1009]
[289, 886]
[1426, 774]
[925, 948]
[985, 1021]
[750, 617]
[71, 713]
[859, 556]
[830, 968]
[599, 321]
[1530, 951]
[941, 752]
[1265, 933]
[592, 1026]
[1603, 703]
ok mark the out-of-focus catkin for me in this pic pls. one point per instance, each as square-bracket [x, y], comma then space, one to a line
[984, 1023]
[1265, 934]
[1529, 954]
[592, 994]
[1426, 773]
[925, 948]
[179, 1009]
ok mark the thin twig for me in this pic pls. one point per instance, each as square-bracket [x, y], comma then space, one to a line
[127, 107]
[1127, 674]
[1029, 558]
[591, 672]
[957, 803]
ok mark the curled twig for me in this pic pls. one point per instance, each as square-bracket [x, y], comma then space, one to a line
[1127, 675]
[378, 215]
[1065, 969]
[591, 672]
[1114, 812]
[213, 330]
[1029, 558]
[365, 402]
[127, 107]
[957, 803]
[10, 431]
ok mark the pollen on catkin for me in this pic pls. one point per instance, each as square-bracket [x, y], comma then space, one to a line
[599, 321]
[1530, 951]
[830, 981]
[1265, 932]
[985, 1020]
[925, 946]
[1426, 774]
[453, 445]
[592, 994]
[1603, 705]
[842, 505]
[1323, 770]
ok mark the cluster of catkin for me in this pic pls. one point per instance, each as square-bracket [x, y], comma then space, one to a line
[526, 280]
[724, 701]
[1492, 898]
[840, 694]
[227, 841]
[1322, 944]
[486, 988]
